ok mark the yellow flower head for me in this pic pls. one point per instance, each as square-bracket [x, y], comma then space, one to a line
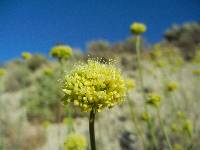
[145, 116]
[94, 86]
[160, 63]
[75, 142]
[61, 52]
[174, 127]
[177, 147]
[153, 99]
[171, 86]
[26, 55]
[157, 52]
[48, 71]
[181, 115]
[130, 84]
[188, 127]
[138, 28]
[2, 72]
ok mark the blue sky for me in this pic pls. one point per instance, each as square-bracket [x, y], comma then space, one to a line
[36, 25]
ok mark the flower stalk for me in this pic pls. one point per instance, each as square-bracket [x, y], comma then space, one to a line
[93, 87]
[164, 130]
[92, 130]
[140, 73]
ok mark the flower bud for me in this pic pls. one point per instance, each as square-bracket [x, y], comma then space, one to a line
[61, 52]
[26, 55]
[138, 28]
[153, 99]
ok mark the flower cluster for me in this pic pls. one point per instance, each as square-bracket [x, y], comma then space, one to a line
[94, 86]
[137, 28]
[61, 52]
[26, 55]
[175, 127]
[188, 127]
[75, 142]
[155, 54]
[48, 71]
[153, 99]
[130, 84]
[180, 115]
[160, 63]
[171, 86]
[145, 116]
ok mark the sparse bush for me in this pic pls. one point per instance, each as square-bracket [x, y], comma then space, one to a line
[186, 36]
[43, 100]
[36, 61]
[17, 77]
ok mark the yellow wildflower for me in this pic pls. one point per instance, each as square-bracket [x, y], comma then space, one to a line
[145, 116]
[155, 54]
[61, 52]
[171, 86]
[130, 84]
[138, 28]
[153, 99]
[48, 71]
[174, 127]
[94, 86]
[26, 55]
[160, 63]
[181, 115]
[188, 127]
[75, 142]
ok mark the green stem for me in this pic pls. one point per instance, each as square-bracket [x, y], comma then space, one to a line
[58, 131]
[168, 94]
[152, 132]
[70, 120]
[190, 146]
[138, 54]
[140, 72]
[59, 107]
[1, 139]
[190, 141]
[173, 99]
[163, 130]
[92, 132]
